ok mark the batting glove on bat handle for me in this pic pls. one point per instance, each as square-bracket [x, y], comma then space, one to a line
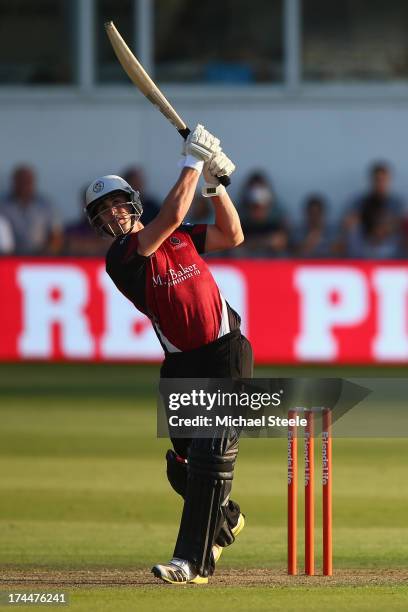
[224, 180]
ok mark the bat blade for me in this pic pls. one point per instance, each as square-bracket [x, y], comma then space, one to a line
[144, 83]
[141, 79]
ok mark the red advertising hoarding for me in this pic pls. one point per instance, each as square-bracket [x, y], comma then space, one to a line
[292, 311]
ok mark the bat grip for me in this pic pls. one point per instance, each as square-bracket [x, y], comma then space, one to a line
[184, 132]
[224, 180]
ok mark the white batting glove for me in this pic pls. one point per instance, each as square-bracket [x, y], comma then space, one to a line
[199, 147]
[218, 165]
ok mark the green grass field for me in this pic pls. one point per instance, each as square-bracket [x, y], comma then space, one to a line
[85, 505]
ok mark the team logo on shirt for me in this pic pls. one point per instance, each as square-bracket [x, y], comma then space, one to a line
[176, 242]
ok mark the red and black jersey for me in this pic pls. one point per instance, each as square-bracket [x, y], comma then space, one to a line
[174, 288]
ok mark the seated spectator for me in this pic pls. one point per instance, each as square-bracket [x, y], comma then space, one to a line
[258, 179]
[313, 237]
[134, 175]
[373, 225]
[81, 239]
[263, 223]
[6, 237]
[36, 228]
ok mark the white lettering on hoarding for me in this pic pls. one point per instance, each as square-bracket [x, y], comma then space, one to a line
[330, 297]
[54, 294]
[59, 294]
[391, 340]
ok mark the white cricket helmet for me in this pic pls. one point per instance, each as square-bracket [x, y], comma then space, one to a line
[97, 191]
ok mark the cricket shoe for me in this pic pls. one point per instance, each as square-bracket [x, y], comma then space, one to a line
[178, 571]
[217, 549]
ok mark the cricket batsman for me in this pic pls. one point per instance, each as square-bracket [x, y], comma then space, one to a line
[159, 268]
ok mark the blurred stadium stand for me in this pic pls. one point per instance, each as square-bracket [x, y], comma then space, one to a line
[311, 92]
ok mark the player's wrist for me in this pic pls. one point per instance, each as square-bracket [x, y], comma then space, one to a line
[189, 161]
[211, 190]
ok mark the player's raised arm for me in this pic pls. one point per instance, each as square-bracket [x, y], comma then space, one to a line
[200, 146]
[226, 232]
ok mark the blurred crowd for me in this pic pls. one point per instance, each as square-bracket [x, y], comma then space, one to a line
[371, 225]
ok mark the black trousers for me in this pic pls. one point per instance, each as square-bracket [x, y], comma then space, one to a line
[228, 357]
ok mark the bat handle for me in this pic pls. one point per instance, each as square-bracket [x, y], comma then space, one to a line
[184, 132]
[224, 180]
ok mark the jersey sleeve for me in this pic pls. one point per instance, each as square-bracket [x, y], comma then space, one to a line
[123, 252]
[197, 233]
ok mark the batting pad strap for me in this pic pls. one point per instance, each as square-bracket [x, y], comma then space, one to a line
[192, 162]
